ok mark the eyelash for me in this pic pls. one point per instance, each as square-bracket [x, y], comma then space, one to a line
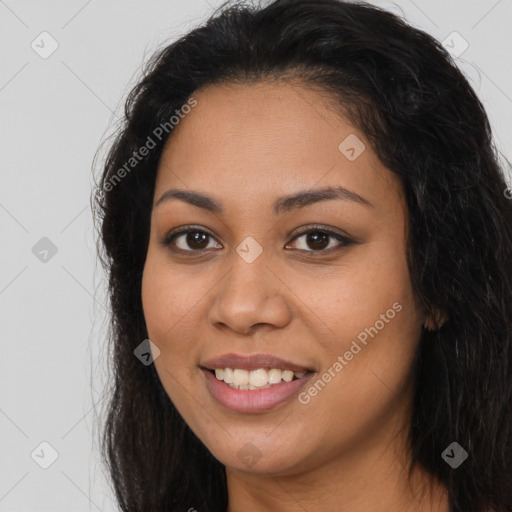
[345, 241]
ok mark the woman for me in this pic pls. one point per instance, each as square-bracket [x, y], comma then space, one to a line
[308, 242]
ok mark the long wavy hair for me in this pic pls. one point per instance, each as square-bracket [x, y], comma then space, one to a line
[424, 121]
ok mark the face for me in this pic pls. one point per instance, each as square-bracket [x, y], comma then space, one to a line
[247, 280]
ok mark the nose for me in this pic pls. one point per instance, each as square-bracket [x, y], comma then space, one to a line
[250, 295]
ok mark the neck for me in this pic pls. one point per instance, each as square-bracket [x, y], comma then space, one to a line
[364, 478]
[380, 489]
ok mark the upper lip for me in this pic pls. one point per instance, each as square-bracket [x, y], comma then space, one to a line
[252, 362]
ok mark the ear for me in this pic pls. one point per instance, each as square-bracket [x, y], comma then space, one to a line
[435, 321]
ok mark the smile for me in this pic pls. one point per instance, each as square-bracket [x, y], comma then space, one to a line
[257, 400]
[256, 379]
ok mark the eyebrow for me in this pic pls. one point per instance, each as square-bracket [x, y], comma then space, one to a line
[280, 206]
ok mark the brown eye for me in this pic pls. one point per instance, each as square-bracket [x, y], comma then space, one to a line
[319, 240]
[316, 240]
[196, 239]
[190, 240]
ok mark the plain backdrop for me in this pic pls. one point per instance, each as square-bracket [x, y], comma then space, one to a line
[55, 110]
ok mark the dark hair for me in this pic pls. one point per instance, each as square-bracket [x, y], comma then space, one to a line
[401, 88]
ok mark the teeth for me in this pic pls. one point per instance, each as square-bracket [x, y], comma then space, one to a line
[287, 375]
[255, 379]
[240, 377]
[274, 376]
[228, 375]
[258, 378]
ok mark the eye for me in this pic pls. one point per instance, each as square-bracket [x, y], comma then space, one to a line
[188, 240]
[319, 239]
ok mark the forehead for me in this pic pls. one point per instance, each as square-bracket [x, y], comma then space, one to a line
[267, 139]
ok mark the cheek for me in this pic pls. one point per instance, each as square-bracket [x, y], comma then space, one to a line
[170, 303]
[348, 297]
[170, 300]
[375, 327]
[373, 323]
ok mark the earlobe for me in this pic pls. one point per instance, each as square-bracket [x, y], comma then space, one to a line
[435, 321]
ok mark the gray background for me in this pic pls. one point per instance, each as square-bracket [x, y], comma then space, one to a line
[54, 113]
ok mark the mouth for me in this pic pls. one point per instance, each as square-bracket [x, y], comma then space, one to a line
[253, 383]
[253, 380]
[251, 399]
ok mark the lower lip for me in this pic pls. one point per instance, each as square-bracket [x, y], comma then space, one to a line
[252, 400]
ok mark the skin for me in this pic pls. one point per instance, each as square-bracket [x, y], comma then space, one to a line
[246, 145]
